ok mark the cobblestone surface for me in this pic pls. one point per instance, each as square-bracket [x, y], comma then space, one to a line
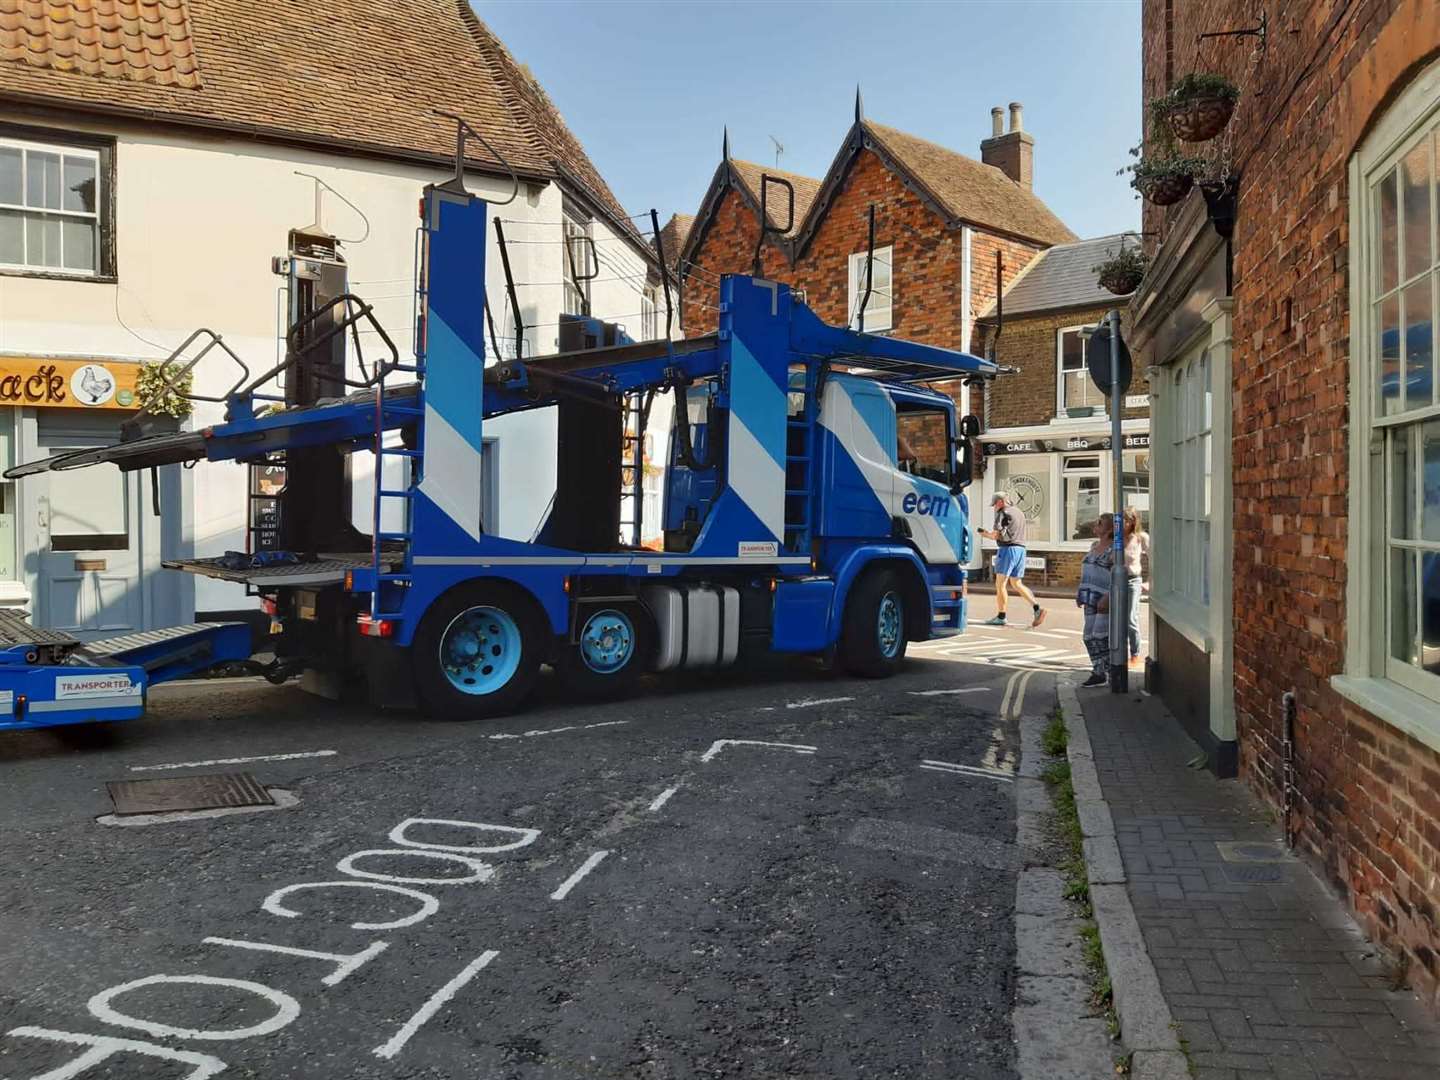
[1265, 973]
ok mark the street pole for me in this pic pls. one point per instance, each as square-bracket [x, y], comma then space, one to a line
[1119, 605]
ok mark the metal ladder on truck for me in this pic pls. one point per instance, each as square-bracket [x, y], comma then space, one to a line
[800, 485]
[634, 414]
[391, 583]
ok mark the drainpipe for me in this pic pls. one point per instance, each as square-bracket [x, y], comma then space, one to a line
[1288, 710]
[967, 311]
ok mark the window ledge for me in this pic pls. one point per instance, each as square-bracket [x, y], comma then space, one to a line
[1404, 709]
[48, 275]
[13, 594]
[1186, 618]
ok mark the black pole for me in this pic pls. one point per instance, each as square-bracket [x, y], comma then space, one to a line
[869, 270]
[510, 287]
[664, 271]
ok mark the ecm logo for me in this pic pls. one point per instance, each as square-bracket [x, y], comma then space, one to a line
[934, 505]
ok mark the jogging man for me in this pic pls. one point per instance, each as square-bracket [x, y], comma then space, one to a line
[1009, 533]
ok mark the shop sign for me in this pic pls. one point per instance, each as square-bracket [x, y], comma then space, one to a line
[44, 383]
[1051, 446]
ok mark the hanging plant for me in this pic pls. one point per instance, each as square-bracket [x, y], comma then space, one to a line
[1199, 105]
[155, 396]
[1165, 179]
[1122, 272]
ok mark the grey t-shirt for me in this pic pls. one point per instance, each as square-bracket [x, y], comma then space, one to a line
[1010, 524]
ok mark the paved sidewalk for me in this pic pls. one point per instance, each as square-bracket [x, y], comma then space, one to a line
[1264, 972]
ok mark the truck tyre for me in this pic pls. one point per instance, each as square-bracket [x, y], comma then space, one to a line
[476, 652]
[613, 648]
[872, 637]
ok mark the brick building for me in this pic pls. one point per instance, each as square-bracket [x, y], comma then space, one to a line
[1047, 428]
[941, 218]
[1297, 440]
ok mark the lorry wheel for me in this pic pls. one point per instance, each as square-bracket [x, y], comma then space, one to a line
[476, 652]
[872, 639]
[612, 650]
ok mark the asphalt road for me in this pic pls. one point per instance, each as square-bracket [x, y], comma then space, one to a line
[639, 889]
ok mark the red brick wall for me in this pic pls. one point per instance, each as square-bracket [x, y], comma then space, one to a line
[1029, 343]
[926, 264]
[1369, 797]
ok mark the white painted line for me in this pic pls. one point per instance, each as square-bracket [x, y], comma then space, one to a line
[1049, 633]
[234, 760]
[345, 965]
[807, 702]
[1009, 691]
[961, 690]
[397, 1042]
[1019, 702]
[662, 798]
[556, 730]
[967, 770]
[575, 878]
[720, 744]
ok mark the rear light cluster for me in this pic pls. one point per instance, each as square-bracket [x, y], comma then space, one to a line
[371, 627]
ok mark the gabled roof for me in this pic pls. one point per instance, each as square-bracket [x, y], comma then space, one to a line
[959, 189]
[970, 190]
[359, 76]
[1063, 277]
[805, 187]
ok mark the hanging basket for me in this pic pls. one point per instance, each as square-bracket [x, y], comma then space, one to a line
[1120, 282]
[1166, 190]
[1200, 119]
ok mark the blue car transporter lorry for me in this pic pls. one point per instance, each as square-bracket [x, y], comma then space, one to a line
[813, 504]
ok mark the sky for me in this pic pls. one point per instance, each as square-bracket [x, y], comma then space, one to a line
[649, 87]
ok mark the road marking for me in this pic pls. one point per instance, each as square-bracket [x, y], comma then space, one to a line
[1009, 692]
[286, 1008]
[720, 744]
[428, 904]
[967, 770]
[662, 798]
[575, 878]
[234, 760]
[397, 1042]
[479, 871]
[1050, 633]
[807, 702]
[1018, 701]
[105, 1046]
[961, 690]
[525, 836]
[345, 966]
[556, 730]
[998, 756]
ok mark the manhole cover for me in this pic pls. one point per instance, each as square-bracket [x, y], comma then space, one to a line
[1255, 873]
[213, 792]
[1251, 851]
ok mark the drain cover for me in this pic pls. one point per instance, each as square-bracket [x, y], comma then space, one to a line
[215, 791]
[1251, 851]
[1254, 873]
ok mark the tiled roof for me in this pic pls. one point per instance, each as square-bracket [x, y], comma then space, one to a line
[1063, 277]
[140, 40]
[970, 190]
[674, 235]
[806, 188]
[363, 75]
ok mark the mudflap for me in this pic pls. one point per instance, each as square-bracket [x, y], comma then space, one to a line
[388, 674]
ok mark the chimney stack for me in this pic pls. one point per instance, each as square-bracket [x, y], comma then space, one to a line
[1012, 152]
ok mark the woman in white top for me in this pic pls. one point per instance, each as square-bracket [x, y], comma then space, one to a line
[1137, 546]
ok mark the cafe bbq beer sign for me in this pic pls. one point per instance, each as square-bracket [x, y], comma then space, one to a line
[48, 383]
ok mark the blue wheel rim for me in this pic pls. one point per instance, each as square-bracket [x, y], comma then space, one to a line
[480, 650]
[888, 624]
[607, 642]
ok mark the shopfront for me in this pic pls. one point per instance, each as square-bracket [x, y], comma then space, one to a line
[80, 549]
[1062, 484]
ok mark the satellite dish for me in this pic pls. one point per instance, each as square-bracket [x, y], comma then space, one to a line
[1097, 359]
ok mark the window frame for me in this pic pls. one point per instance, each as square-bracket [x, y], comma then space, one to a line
[1403, 696]
[1060, 406]
[575, 223]
[58, 139]
[856, 264]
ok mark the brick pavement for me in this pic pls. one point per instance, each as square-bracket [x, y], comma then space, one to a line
[1264, 971]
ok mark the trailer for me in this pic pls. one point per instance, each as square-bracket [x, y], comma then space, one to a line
[814, 502]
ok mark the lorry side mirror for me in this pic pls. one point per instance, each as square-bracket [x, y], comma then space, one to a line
[970, 426]
[964, 465]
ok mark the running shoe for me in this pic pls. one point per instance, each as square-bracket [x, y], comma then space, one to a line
[998, 620]
[1095, 680]
[1039, 618]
